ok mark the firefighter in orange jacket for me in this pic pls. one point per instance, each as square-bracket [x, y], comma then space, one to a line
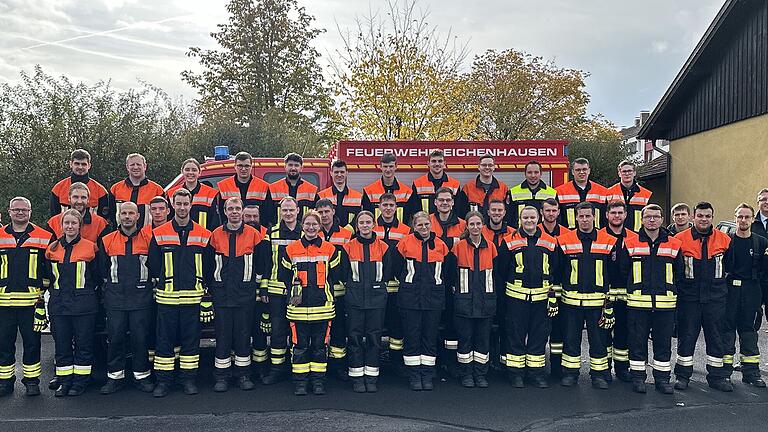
[388, 184]
[73, 305]
[702, 299]
[280, 236]
[333, 232]
[128, 300]
[181, 261]
[448, 227]
[94, 226]
[310, 266]
[390, 230]
[425, 187]
[550, 215]
[251, 190]
[634, 196]
[98, 200]
[581, 189]
[421, 299]
[474, 301]
[136, 188]
[304, 192]
[370, 267]
[496, 228]
[528, 261]
[477, 195]
[241, 257]
[652, 264]
[616, 337]
[347, 202]
[586, 257]
[205, 199]
[22, 308]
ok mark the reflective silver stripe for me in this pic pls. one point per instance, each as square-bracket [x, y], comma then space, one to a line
[9, 242]
[81, 267]
[379, 271]
[489, 281]
[166, 238]
[143, 270]
[463, 281]
[688, 267]
[217, 272]
[113, 269]
[196, 239]
[247, 267]
[640, 250]
[355, 270]
[438, 271]
[718, 267]
[668, 251]
[411, 271]
[319, 258]
[281, 242]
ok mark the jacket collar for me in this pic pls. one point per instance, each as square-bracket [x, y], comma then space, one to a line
[179, 228]
[663, 236]
[587, 236]
[143, 182]
[63, 241]
[430, 240]
[284, 228]
[235, 231]
[697, 235]
[524, 234]
[394, 224]
[317, 241]
[494, 182]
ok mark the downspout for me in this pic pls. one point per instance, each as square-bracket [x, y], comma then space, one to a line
[668, 178]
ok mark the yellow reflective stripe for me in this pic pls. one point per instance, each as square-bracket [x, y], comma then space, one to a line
[574, 272]
[519, 263]
[599, 273]
[638, 221]
[670, 274]
[203, 219]
[637, 272]
[32, 265]
[570, 216]
[168, 257]
[545, 264]
[80, 275]
[199, 265]
[4, 267]
[55, 270]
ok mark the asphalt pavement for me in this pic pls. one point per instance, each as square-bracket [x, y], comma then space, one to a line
[395, 408]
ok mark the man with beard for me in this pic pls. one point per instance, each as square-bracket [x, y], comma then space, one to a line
[94, 226]
[304, 192]
[80, 163]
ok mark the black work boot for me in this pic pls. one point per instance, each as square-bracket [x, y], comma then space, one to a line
[161, 390]
[664, 387]
[370, 384]
[358, 384]
[111, 386]
[681, 383]
[753, 380]
[32, 388]
[144, 385]
[599, 383]
[6, 388]
[245, 383]
[190, 388]
[318, 387]
[721, 384]
[638, 386]
[467, 381]
[300, 388]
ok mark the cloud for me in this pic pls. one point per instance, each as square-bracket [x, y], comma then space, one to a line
[659, 46]
[632, 50]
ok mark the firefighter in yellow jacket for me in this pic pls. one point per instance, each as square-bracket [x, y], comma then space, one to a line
[310, 266]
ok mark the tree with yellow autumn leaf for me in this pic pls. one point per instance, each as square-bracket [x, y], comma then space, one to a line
[399, 80]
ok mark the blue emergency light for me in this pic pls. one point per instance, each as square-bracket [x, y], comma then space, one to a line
[221, 153]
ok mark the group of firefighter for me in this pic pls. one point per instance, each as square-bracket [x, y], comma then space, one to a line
[304, 282]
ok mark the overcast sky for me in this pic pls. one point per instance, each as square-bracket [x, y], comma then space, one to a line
[632, 49]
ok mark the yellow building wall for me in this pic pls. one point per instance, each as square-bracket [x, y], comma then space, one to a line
[725, 166]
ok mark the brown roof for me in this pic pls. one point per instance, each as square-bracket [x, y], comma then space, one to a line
[654, 168]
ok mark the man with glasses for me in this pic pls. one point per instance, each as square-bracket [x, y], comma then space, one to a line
[477, 195]
[634, 196]
[243, 185]
[581, 189]
[22, 308]
[531, 192]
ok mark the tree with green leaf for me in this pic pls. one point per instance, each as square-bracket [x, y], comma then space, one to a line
[398, 79]
[265, 77]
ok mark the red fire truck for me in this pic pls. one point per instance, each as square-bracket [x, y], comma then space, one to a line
[362, 158]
